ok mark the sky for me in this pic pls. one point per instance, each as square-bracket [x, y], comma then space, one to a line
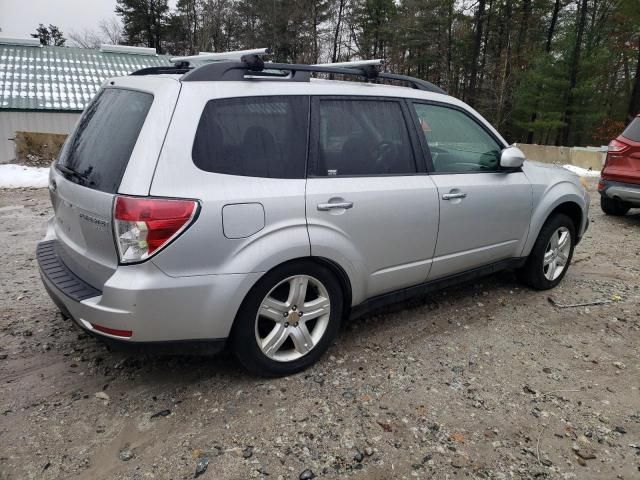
[19, 18]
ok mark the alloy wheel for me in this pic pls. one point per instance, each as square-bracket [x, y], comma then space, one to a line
[292, 318]
[556, 255]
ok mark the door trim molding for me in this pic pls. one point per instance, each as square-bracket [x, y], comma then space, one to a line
[434, 285]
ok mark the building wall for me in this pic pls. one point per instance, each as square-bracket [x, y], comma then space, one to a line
[12, 121]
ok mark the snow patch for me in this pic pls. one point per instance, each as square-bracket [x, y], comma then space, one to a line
[583, 172]
[20, 176]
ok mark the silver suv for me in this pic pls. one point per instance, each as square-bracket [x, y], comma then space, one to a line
[233, 204]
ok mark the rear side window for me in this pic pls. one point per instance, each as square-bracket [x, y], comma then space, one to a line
[254, 137]
[363, 137]
[632, 132]
[97, 152]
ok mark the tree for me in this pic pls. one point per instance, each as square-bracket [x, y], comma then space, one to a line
[549, 71]
[109, 32]
[144, 22]
[50, 35]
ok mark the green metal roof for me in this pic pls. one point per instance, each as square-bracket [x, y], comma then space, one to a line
[61, 78]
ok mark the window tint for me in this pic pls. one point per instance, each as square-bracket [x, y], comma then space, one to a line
[457, 143]
[363, 137]
[632, 132]
[253, 136]
[97, 152]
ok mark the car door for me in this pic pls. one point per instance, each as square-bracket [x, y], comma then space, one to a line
[485, 210]
[370, 207]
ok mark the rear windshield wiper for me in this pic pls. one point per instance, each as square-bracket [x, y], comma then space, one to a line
[79, 177]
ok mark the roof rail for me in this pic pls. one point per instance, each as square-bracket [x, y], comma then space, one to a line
[218, 56]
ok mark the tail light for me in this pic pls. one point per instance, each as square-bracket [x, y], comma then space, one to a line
[144, 225]
[616, 146]
[601, 185]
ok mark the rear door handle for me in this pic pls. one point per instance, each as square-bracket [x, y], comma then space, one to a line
[324, 207]
[451, 196]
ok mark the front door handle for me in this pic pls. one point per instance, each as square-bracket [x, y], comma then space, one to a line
[324, 207]
[452, 196]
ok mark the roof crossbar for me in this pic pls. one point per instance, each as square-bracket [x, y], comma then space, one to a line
[355, 63]
[220, 56]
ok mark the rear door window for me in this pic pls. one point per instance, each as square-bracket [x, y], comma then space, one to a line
[97, 152]
[632, 132]
[254, 136]
[362, 138]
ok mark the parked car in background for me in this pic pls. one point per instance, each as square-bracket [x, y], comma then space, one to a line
[619, 185]
[224, 204]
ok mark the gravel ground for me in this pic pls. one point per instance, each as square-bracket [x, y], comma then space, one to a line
[487, 380]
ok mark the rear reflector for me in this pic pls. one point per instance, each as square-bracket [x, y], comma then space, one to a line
[601, 185]
[112, 331]
[616, 146]
[145, 225]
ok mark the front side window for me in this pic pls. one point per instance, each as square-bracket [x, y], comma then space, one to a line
[253, 136]
[363, 137]
[456, 142]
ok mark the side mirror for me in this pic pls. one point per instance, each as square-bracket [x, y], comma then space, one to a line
[512, 157]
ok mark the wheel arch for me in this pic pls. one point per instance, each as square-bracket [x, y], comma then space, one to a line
[337, 270]
[562, 198]
[571, 210]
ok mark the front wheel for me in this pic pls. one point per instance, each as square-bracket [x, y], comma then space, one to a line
[551, 254]
[288, 319]
[613, 206]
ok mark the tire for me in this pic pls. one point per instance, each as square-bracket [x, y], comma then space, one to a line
[613, 206]
[543, 275]
[269, 344]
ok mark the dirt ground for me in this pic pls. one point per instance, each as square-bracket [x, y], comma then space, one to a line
[487, 380]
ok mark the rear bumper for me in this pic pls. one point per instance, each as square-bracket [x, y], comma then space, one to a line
[627, 192]
[143, 300]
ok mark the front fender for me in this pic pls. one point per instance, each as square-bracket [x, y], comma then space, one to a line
[546, 200]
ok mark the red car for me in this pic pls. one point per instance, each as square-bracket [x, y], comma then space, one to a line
[619, 184]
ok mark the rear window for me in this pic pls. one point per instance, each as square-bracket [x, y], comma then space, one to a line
[253, 136]
[97, 152]
[632, 132]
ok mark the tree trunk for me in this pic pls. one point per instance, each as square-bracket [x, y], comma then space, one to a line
[573, 73]
[634, 101]
[552, 26]
[336, 33]
[524, 27]
[477, 42]
[450, 45]
[547, 49]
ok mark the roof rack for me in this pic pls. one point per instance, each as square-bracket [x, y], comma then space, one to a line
[249, 65]
[219, 56]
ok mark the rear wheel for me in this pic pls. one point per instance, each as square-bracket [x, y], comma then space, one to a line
[551, 254]
[288, 320]
[613, 206]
